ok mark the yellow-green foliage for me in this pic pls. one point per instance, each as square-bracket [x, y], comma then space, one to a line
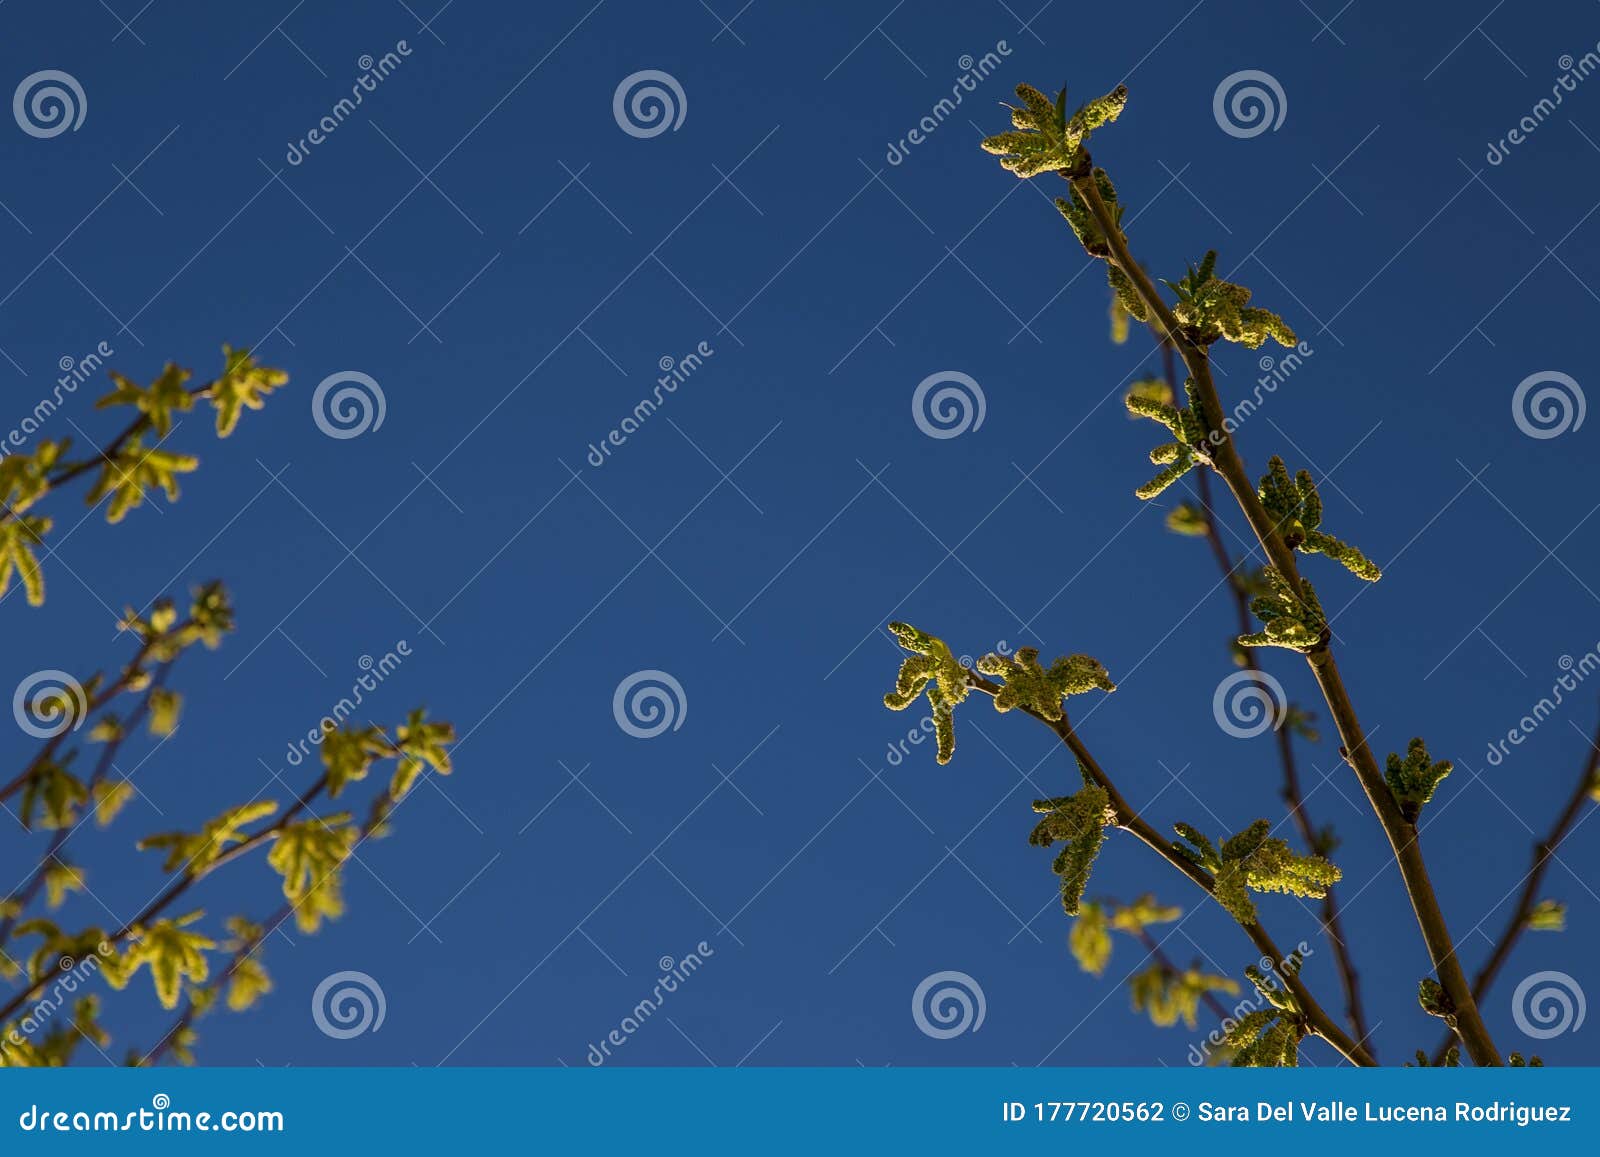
[1031, 687]
[1046, 139]
[933, 668]
[1090, 938]
[1269, 1037]
[1255, 861]
[1168, 995]
[1290, 620]
[1413, 780]
[128, 468]
[1189, 445]
[1078, 822]
[18, 540]
[1188, 519]
[1296, 510]
[194, 852]
[308, 855]
[55, 1048]
[1548, 916]
[173, 954]
[1210, 308]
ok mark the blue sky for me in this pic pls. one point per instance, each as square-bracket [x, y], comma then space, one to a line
[483, 240]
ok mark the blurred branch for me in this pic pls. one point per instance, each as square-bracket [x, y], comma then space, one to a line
[1543, 852]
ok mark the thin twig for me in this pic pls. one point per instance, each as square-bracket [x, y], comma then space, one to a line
[1543, 852]
[1126, 818]
[62, 834]
[1153, 947]
[188, 880]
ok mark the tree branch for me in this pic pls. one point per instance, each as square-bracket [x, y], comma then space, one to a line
[178, 887]
[1222, 456]
[102, 768]
[1543, 852]
[1332, 925]
[1130, 821]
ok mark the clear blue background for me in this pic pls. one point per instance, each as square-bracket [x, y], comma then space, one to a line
[829, 283]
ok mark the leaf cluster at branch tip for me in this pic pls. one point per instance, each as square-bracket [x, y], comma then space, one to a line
[1289, 619]
[1414, 779]
[1210, 308]
[1296, 510]
[1269, 1037]
[1044, 138]
[1078, 822]
[1255, 861]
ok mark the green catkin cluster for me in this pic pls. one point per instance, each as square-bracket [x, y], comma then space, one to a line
[1126, 302]
[931, 667]
[1189, 446]
[1413, 780]
[1087, 229]
[173, 953]
[1189, 520]
[1288, 619]
[129, 470]
[1046, 139]
[1077, 822]
[1168, 995]
[1296, 510]
[1090, 938]
[1040, 691]
[1210, 308]
[20, 537]
[1548, 916]
[1270, 1037]
[1255, 861]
